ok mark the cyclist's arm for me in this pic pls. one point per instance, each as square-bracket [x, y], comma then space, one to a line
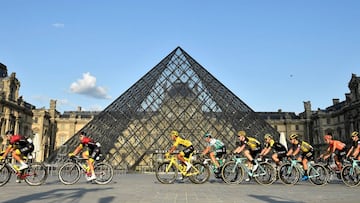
[239, 149]
[356, 151]
[7, 150]
[296, 152]
[265, 151]
[350, 151]
[172, 149]
[78, 149]
[206, 150]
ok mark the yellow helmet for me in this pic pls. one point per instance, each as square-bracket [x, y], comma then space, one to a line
[294, 136]
[355, 133]
[174, 133]
[267, 135]
[241, 133]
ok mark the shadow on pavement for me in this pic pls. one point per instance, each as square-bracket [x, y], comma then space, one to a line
[273, 199]
[61, 195]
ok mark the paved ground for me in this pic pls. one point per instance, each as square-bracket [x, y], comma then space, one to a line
[145, 188]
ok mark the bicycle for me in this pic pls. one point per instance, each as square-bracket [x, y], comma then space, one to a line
[207, 162]
[290, 172]
[332, 168]
[350, 174]
[167, 171]
[70, 172]
[233, 171]
[34, 175]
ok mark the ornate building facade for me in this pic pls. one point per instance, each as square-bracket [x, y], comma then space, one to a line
[15, 113]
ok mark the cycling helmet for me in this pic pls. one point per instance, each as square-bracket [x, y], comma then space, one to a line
[83, 133]
[241, 133]
[355, 133]
[207, 135]
[327, 137]
[267, 135]
[294, 136]
[174, 133]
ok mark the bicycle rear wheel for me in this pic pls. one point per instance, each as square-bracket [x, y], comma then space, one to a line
[318, 175]
[166, 173]
[265, 174]
[288, 174]
[5, 174]
[350, 176]
[201, 171]
[69, 173]
[232, 173]
[36, 174]
[104, 173]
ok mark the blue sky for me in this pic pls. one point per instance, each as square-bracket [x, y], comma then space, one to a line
[273, 54]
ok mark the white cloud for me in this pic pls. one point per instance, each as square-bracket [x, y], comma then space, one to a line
[87, 86]
[58, 25]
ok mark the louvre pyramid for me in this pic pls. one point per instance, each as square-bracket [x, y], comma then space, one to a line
[177, 94]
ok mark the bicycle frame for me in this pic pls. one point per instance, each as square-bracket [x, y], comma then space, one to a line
[173, 161]
[241, 161]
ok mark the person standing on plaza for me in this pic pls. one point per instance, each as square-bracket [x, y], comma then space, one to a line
[186, 144]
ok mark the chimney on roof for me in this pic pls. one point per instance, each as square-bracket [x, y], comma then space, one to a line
[336, 101]
[79, 108]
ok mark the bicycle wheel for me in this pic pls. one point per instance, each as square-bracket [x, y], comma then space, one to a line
[5, 174]
[350, 176]
[104, 173]
[201, 171]
[36, 174]
[288, 174]
[166, 173]
[318, 175]
[232, 173]
[69, 173]
[265, 174]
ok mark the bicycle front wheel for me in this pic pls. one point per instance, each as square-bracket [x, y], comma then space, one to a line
[350, 176]
[288, 174]
[69, 173]
[166, 173]
[318, 175]
[5, 174]
[232, 173]
[36, 174]
[104, 173]
[201, 173]
[265, 174]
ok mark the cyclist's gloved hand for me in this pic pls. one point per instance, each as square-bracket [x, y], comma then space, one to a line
[71, 154]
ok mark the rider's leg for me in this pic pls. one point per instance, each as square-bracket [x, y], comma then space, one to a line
[276, 159]
[337, 162]
[17, 156]
[247, 154]
[213, 159]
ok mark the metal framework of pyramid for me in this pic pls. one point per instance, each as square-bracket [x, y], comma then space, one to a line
[177, 94]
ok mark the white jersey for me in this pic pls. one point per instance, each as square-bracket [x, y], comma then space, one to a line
[217, 144]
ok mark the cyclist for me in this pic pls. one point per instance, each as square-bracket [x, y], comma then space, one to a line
[215, 148]
[188, 148]
[90, 154]
[250, 147]
[354, 151]
[302, 151]
[278, 150]
[20, 147]
[335, 147]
